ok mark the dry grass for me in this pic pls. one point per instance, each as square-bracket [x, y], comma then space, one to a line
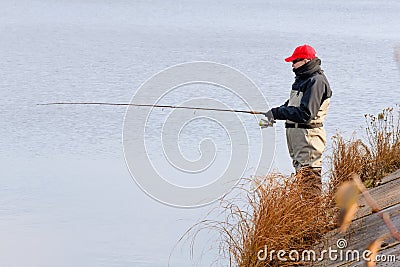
[282, 213]
[285, 216]
[278, 212]
[348, 157]
[372, 158]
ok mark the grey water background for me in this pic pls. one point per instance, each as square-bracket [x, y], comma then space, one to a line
[66, 196]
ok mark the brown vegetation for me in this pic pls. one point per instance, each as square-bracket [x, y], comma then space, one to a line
[284, 216]
[372, 158]
[278, 212]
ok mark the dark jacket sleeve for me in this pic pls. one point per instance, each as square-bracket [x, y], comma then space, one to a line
[275, 110]
[309, 105]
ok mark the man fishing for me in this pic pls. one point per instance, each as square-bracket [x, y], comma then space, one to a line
[304, 112]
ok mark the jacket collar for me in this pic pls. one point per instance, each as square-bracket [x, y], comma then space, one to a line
[308, 69]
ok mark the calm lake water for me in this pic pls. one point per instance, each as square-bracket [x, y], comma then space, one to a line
[66, 195]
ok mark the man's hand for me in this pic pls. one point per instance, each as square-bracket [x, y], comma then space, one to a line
[269, 122]
[270, 116]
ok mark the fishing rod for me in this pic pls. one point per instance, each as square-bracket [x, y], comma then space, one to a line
[153, 106]
[263, 123]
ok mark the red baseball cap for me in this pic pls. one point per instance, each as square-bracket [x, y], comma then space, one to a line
[303, 51]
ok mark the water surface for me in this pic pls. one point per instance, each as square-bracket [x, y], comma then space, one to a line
[66, 196]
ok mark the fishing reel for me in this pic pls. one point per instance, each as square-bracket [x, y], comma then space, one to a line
[265, 123]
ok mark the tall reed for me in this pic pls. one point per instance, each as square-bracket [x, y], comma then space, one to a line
[372, 157]
[279, 213]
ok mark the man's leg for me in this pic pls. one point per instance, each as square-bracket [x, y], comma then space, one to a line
[306, 147]
[297, 146]
[316, 139]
